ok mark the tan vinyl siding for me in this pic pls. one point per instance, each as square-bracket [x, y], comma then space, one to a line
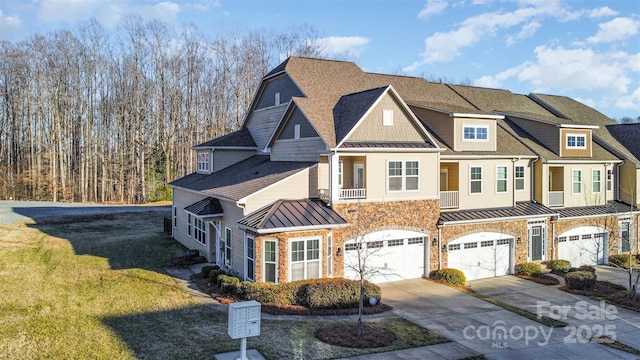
[263, 122]
[441, 124]
[323, 173]
[225, 158]
[489, 196]
[629, 181]
[304, 149]
[298, 186]
[182, 199]
[522, 195]
[572, 152]
[586, 197]
[460, 144]
[372, 129]
[540, 188]
[545, 133]
[376, 176]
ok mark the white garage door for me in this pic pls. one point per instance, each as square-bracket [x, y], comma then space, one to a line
[583, 246]
[388, 255]
[481, 255]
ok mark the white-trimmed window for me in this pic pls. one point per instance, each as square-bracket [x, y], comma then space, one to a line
[305, 259]
[203, 161]
[403, 175]
[227, 246]
[296, 131]
[519, 177]
[270, 249]
[250, 247]
[475, 133]
[475, 180]
[387, 117]
[277, 98]
[199, 231]
[626, 236]
[576, 141]
[576, 182]
[596, 180]
[501, 179]
[609, 180]
[330, 255]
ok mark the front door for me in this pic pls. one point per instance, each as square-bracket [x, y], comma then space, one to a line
[536, 243]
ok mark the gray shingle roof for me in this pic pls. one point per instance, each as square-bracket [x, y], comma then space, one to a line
[628, 135]
[612, 208]
[205, 207]
[240, 138]
[522, 209]
[387, 145]
[350, 109]
[292, 215]
[242, 179]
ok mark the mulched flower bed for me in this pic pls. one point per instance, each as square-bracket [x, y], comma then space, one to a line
[345, 335]
[279, 309]
[610, 292]
[542, 279]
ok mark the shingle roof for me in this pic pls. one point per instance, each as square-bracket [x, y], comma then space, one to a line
[240, 138]
[292, 215]
[583, 114]
[628, 135]
[612, 208]
[387, 145]
[350, 109]
[522, 209]
[242, 179]
[205, 207]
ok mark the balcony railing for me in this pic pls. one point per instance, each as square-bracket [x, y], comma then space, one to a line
[556, 198]
[346, 194]
[448, 199]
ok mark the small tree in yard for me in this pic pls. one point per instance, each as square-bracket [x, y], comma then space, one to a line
[359, 230]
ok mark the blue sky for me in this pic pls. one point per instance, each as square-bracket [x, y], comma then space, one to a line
[588, 50]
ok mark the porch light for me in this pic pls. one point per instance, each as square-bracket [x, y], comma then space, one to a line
[519, 241]
[434, 242]
[339, 252]
[444, 248]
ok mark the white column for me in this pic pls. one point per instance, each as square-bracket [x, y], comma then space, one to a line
[334, 161]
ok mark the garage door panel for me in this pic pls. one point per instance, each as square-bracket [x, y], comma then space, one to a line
[583, 246]
[481, 255]
[389, 255]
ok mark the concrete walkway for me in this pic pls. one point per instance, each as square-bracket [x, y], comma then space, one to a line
[500, 334]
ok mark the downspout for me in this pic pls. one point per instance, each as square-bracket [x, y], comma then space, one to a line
[616, 195]
[329, 198]
[553, 237]
[533, 173]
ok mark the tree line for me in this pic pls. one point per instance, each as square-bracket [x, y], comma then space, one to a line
[110, 116]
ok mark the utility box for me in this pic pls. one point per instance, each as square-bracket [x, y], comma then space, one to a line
[244, 319]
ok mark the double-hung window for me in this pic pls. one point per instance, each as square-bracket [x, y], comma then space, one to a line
[403, 176]
[501, 179]
[596, 180]
[199, 230]
[576, 141]
[519, 177]
[227, 246]
[475, 183]
[475, 133]
[576, 181]
[251, 257]
[609, 180]
[270, 261]
[305, 259]
[203, 161]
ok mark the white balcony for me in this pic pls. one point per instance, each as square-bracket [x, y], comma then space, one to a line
[348, 194]
[556, 198]
[448, 199]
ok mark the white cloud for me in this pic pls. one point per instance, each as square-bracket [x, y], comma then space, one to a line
[602, 12]
[67, 10]
[9, 25]
[165, 11]
[631, 101]
[528, 30]
[446, 46]
[343, 46]
[616, 29]
[433, 7]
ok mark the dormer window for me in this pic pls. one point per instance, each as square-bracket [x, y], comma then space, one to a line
[576, 141]
[203, 162]
[480, 133]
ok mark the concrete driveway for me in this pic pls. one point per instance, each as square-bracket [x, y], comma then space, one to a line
[500, 334]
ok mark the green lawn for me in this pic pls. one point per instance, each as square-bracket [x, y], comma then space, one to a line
[93, 287]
